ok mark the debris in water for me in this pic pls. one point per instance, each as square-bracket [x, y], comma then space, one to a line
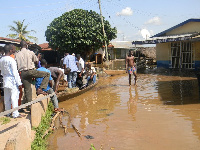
[102, 109]
[89, 137]
[109, 114]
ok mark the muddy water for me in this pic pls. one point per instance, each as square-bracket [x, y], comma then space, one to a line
[161, 112]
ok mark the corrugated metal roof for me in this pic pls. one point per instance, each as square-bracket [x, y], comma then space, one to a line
[173, 38]
[122, 44]
[4, 40]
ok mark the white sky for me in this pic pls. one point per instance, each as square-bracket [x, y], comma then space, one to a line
[130, 17]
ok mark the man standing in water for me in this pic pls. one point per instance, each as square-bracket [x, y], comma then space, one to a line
[130, 66]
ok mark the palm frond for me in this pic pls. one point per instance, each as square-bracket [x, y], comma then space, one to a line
[33, 38]
[33, 31]
[24, 28]
[12, 36]
[12, 28]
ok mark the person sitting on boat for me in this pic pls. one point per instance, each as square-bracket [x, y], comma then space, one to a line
[80, 72]
[90, 74]
[57, 75]
[48, 89]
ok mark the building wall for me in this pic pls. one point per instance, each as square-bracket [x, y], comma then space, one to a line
[196, 46]
[120, 53]
[110, 50]
[162, 54]
[190, 27]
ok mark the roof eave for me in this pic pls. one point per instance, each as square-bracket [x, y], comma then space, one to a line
[176, 26]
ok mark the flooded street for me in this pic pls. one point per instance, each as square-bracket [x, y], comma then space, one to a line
[161, 112]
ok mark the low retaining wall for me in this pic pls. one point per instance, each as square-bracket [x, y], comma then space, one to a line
[17, 134]
[38, 110]
[20, 139]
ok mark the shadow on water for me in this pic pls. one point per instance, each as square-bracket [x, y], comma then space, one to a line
[168, 72]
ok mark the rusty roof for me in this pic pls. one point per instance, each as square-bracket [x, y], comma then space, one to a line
[45, 47]
[4, 40]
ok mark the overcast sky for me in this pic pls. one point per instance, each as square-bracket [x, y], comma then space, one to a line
[134, 19]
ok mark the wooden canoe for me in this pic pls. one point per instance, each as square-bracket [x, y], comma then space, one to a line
[65, 95]
[114, 72]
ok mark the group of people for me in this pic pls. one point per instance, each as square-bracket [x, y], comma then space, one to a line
[77, 71]
[22, 67]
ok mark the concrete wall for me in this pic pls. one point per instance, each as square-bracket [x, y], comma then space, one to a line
[17, 134]
[38, 110]
[162, 54]
[190, 27]
[120, 53]
[196, 46]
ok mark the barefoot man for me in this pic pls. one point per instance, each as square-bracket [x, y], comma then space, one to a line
[130, 66]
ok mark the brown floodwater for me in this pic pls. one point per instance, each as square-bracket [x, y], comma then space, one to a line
[161, 112]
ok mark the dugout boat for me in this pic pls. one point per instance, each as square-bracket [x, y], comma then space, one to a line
[65, 93]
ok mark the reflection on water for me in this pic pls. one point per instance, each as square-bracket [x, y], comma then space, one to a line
[119, 116]
[132, 103]
[178, 92]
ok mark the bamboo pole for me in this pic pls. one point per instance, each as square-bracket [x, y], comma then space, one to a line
[104, 34]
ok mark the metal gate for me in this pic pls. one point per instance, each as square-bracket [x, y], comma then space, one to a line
[182, 55]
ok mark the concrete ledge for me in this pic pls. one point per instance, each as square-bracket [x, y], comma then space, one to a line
[17, 135]
[20, 137]
[38, 110]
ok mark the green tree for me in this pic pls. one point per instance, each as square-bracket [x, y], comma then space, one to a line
[20, 31]
[79, 31]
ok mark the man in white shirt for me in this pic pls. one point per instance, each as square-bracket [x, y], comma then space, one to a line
[70, 62]
[80, 72]
[11, 81]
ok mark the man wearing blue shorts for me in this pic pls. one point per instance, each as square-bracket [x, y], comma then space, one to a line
[131, 66]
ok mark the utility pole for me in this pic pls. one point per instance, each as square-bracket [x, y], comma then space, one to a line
[104, 34]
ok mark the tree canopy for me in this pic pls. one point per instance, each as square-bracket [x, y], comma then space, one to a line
[79, 31]
[20, 31]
